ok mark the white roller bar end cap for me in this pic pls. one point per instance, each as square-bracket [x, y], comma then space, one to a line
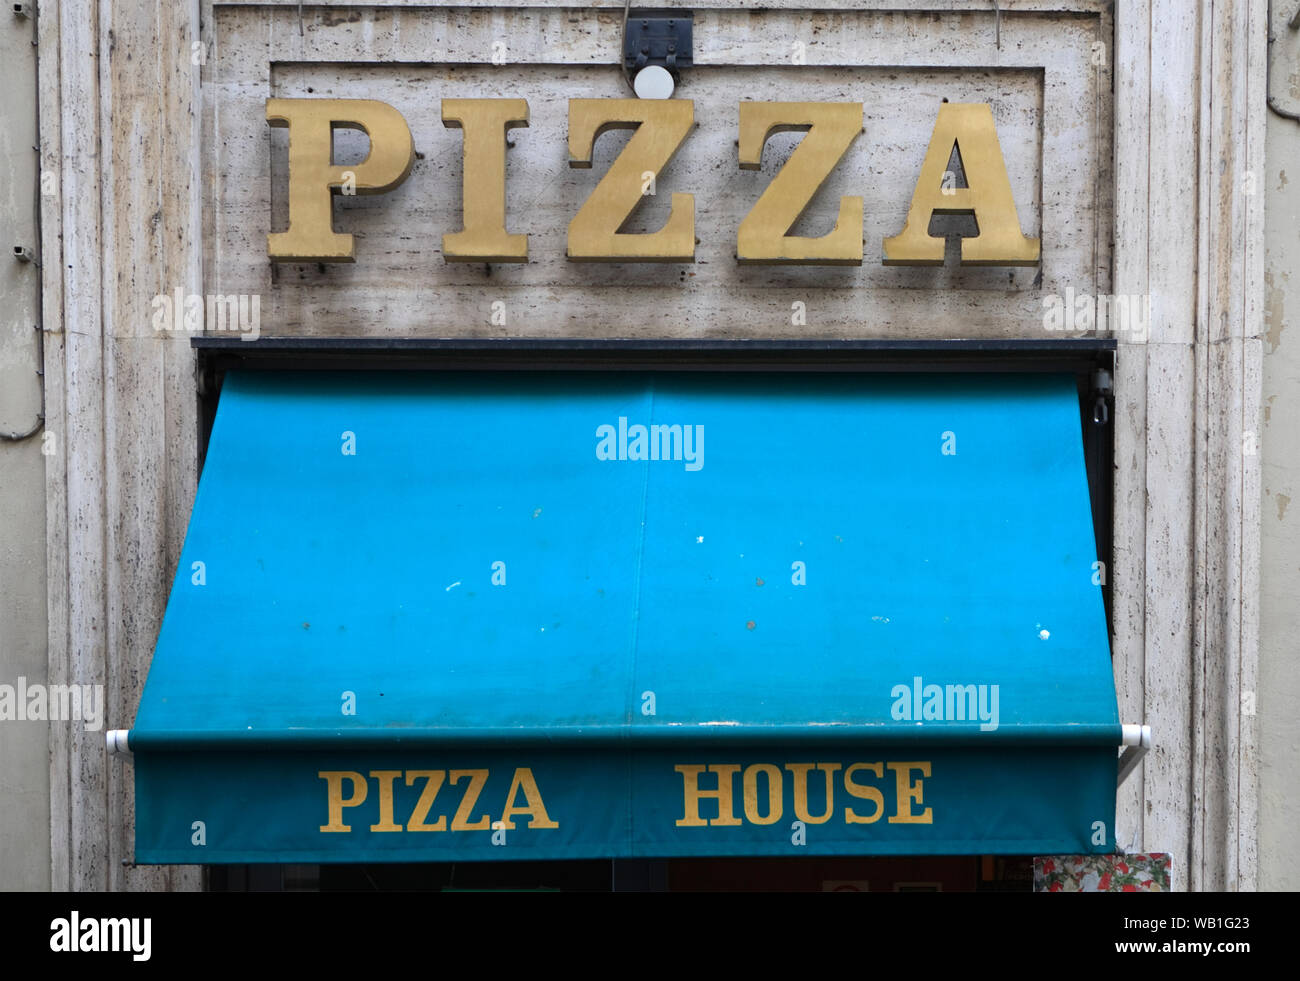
[117, 740]
[1135, 735]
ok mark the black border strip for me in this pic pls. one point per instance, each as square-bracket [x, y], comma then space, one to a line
[219, 354]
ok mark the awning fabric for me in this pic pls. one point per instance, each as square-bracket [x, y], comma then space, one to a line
[434, 616]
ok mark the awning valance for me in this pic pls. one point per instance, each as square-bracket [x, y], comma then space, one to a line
[475, 615]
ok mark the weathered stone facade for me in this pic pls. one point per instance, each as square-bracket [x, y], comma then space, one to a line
[1133, 133]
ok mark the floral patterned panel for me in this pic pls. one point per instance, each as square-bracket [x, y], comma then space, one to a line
[1102, 873]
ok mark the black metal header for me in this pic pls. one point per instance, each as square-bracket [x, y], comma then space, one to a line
[220, 354]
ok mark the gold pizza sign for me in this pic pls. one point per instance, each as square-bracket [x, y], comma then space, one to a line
[660, 128]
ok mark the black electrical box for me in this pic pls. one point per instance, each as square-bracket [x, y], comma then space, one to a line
[658, 37]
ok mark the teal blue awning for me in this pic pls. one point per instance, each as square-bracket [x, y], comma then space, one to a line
[453, 616]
